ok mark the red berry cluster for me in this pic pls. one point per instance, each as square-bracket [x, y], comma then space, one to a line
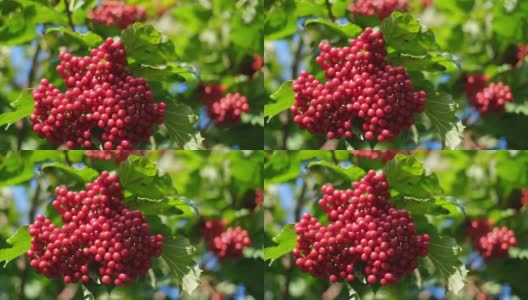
[211, 93]
[228, 109]
[104, 104]
[116, 155]
[427, 3]
[492, 98]
[227, 243]
[259, 197]
[361, 87]
[490, 243]
[384, 155]
[474, 84]
[99, 232]
[258, 62]
[116, 13]
[524, 197]
[365, 233]
[380, 8]
[522, 52]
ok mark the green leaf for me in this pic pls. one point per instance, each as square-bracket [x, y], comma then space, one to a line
[85, 174]
[284, 99]
[404, 34]
[169, 71]
[518, 253]
[23, 107]
[353, 173]
[440, 109]
[180, 121]
[65, 36]
[86, 293]
[178, 253]
[430, 206]
[20, 244]
[167, 206]
[145, 45]
[286, 240]
[352, 293]
[444, 252]
[406, 175]
[16, 168]
[348, 30]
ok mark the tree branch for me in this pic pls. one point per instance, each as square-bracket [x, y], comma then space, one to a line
[29, 83]
[329, 8]
[68, 13]
[294, 73]
[297, 214]
[32, 210]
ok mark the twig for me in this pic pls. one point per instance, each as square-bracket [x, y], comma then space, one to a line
[297, 214]
[67, 157]
[32, 211]
[334, 157]
[329, 8]
[294, 73]
[68, 13]
[29, 83]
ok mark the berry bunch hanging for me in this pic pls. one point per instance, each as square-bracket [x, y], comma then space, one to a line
[117, 13]
[365, 233]
[522, 52]
[492, 98]
[116, 155]
[490, 243]
[361, 88]
[524, 197]
[223, 110]
[474, 83]
[228, 109]
[383, 155]
[99, 233]
[380, 8]
[104, 103]
[211, 93]
[227, 243]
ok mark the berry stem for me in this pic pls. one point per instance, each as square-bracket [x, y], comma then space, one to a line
[329, 8]
[68, 13]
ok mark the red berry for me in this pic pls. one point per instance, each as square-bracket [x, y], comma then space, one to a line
[361, 88]
[380, 8]
[116, 13]
[365, 234]
[97, 226]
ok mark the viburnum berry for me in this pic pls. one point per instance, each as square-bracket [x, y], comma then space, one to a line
[384, 155]
[228, 109]
[365, 234]
[259, 197]
[380, 8]
[211, 93]
[492, 98]
[258, 62]
[522, 52]
[227, 243]
[116, 155]
[478, 228]
[99, 233]
[117, 13]
[495, 244]
[474, 83]
[524, 197]
[361, 88]
[104, 103]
